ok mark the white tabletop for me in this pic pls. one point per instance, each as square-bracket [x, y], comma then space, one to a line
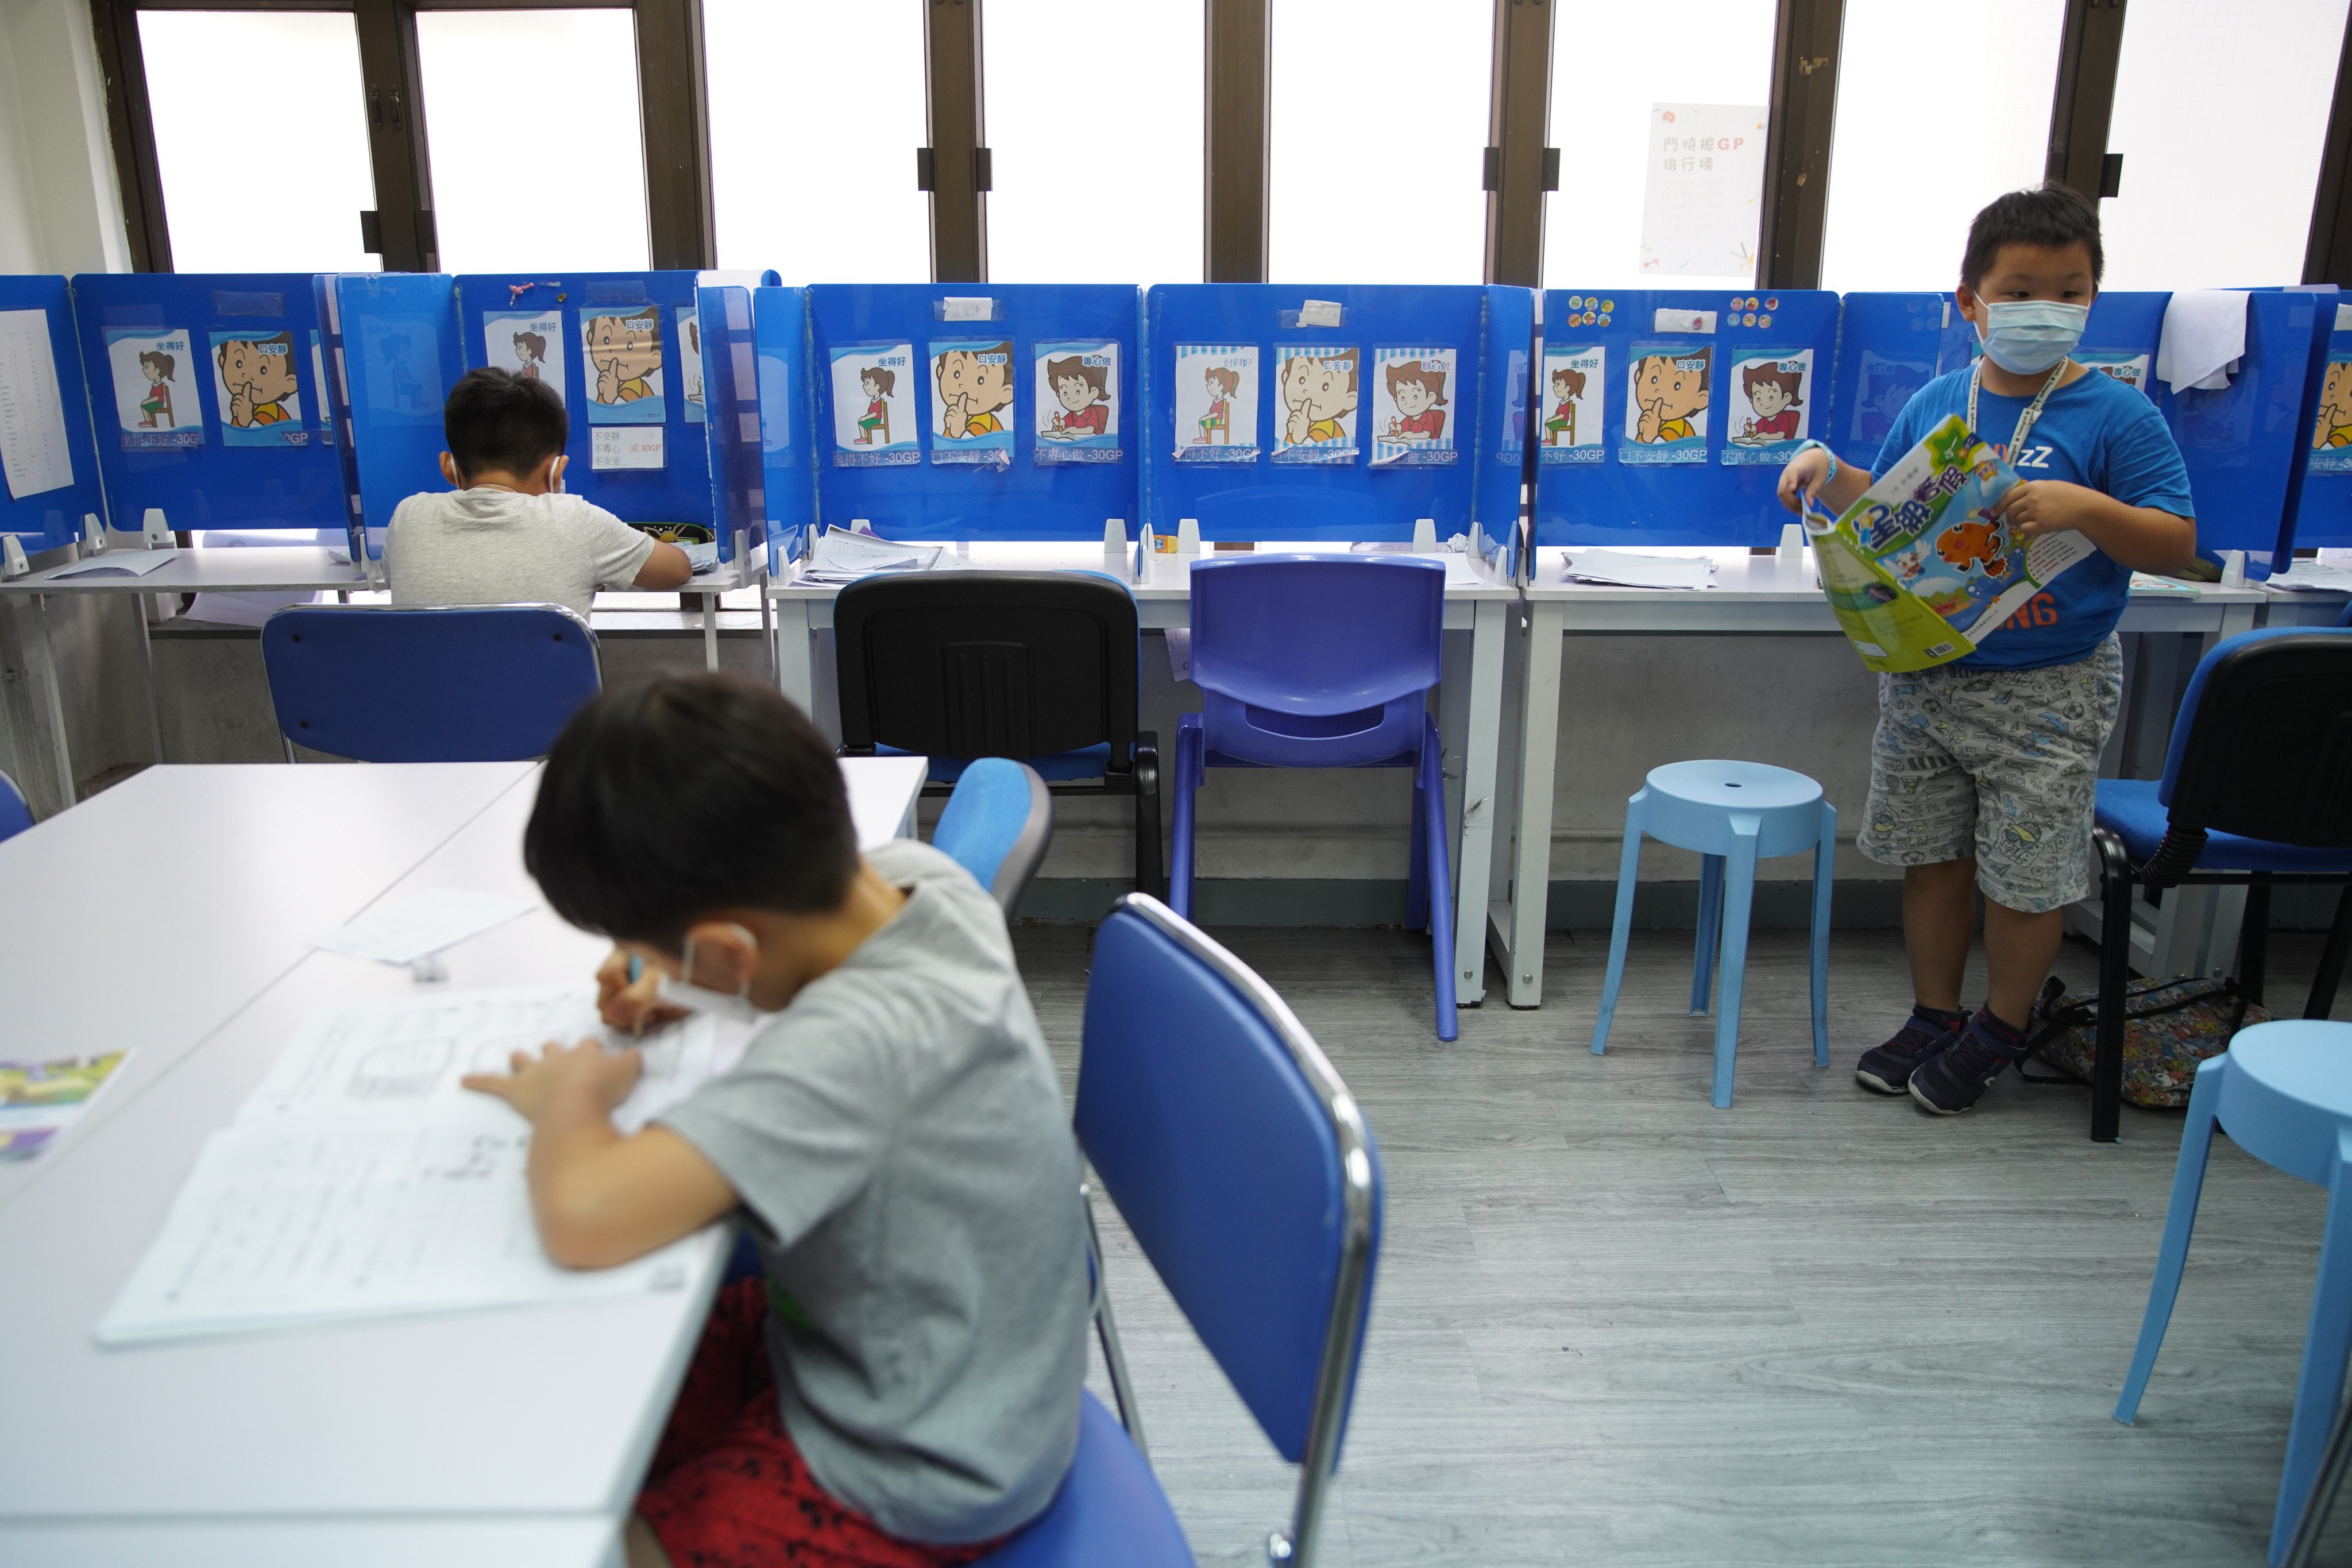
[549, 1412]
[289, 569]
[562, 1542]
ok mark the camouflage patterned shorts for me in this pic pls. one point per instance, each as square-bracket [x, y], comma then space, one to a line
[2001, 765]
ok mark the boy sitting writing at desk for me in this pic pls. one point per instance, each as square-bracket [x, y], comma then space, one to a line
[903, 1389]
[507, 534]
[1983, 771]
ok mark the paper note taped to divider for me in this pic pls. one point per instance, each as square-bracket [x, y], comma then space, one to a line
[955, 309]
[1319, 313]
[626, 446]
[1666, 320]
[33, 448]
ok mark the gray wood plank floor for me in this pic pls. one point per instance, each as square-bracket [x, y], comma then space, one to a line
[1615, 1325]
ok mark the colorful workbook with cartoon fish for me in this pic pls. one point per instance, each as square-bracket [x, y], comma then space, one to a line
[1920, 570]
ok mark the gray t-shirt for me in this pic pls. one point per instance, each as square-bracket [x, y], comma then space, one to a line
[497, 547]
[901, 1131]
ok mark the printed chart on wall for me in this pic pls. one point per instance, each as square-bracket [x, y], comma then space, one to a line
[33, 442]
[1575, 381]
[404, 365]
[155, 399]
[625, 385]
[689, 363]
[873, 417]
[2122, 364]
[530, 344]
[1077, 402]
[1413, 405]
[1319, 393]
[1703, 195]
[1216, 403]
[256, 390]
[1666, 399]
[971, 401]
[1772, 397]
[2331, 435]
[1882, 386]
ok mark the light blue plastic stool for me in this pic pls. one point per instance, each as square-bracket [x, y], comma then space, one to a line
[1733, 814]
[2284, 1093]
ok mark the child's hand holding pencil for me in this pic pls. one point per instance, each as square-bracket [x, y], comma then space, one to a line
[626, 993]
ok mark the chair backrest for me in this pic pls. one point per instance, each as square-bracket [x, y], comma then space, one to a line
[15, 814]
[2345, 618]
[2263, 746]
[988, 664]
[1244, 1169]
[997, 826]
[472, 684]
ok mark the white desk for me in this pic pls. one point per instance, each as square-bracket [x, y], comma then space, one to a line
[1470, 708]
[1757, 594]
[468, 1434]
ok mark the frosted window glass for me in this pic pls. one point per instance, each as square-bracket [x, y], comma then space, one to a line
[816, 108]
[1610, 62]
[1095, 133]
[252, 109]
[2217, 193]
[538, 158]
[1379, 137]
[1889, 227]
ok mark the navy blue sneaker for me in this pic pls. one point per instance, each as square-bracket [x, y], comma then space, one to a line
[1957, 1079]
[1887, 1068]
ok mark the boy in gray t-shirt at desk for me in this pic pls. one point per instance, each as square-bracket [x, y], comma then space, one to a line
[903, 1391]
[507, 534]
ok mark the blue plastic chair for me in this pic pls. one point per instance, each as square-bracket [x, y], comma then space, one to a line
[2284, 1093]
[1319, 661]
[15, 814]
[1245, 1170]
[1733, 813]
[997, 826]
[487, 684]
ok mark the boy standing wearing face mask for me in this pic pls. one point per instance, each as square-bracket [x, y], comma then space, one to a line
[1983, 769]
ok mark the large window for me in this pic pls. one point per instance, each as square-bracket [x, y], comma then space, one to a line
[261, 139]
[816, 108]
[1094, 127]
[1613, 66]
[1900, 196]
[2219, 112]
[538, 156]
[1377, 136]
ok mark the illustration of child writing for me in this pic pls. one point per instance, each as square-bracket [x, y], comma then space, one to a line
[1418, 390]
[1668, 389]
[1774, 392]
[155, 408]
[1568, 386]
[1084, 393]
[877, 384]
[531, 352]
[1224, 381]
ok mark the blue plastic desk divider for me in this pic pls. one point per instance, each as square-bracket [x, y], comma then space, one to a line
[335, 398]
[2318, 503]
[975, 410]
[205, 399]
[791, 439]
[41, 373]
[400, 358]
[1728, 385]
[759, 474]
[1889, 346]
[1335, 412]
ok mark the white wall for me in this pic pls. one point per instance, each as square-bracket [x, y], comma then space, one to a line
[59, 211]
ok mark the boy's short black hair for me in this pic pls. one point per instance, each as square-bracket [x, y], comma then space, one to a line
[496, 422]
[2054, 215]
[668, 799]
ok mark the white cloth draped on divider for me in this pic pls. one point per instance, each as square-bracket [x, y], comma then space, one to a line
[2204, 338]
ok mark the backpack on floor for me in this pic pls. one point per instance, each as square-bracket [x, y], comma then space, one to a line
[2170, 1027]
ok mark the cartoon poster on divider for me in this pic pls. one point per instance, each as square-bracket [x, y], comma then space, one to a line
[401, 360]
[530, 344]
[1771, 398]
[971, 401]
[1413, 406]
[1216, 403]
[1881, 387]
[256, 390]
[689, 363]
[2122, 364]
[874, 418]
[1575, 381]
[1666, 395]
[155, 387]
[623, 376]
[1315, 419]
[2331, 436]
[323, 414]
[1077, 402]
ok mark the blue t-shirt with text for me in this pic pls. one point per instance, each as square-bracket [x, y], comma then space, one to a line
[2094, 431]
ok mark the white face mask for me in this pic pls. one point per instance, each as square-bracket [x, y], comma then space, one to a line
[2027, 337]
[735, 1004]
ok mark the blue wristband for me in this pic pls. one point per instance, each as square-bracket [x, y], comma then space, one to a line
[1809, 445]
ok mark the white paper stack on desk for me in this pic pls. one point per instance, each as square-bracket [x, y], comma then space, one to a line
[842, 556]
[1630, 569]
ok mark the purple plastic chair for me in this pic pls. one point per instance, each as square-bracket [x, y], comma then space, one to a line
[1321, 661]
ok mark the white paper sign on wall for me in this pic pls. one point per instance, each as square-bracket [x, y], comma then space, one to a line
[1703, 195]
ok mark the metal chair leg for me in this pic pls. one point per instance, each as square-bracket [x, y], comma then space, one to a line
[2115, 975]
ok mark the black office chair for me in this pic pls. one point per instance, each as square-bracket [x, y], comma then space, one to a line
[1040, 667]
[2257, 790]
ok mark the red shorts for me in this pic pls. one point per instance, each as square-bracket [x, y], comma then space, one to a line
[729, 1489]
